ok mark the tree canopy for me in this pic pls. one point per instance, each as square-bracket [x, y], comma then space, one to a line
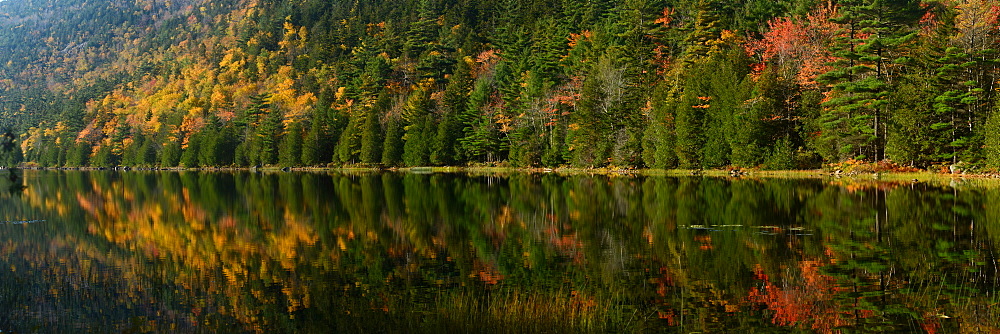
[631, 83]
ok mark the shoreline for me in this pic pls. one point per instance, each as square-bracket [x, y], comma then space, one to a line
[735, 173]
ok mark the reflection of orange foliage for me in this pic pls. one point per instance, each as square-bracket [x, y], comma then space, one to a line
[705, 241]
[582, 302]
[181, 229]
[669, 316]
[487, 273]
[665, 280]
[567, 244]
[930, 324]
[806, 303]
[854, 186]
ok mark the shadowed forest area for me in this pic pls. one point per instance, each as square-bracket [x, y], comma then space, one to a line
[633, 83]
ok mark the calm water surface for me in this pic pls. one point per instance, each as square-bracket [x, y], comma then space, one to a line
[395, 252]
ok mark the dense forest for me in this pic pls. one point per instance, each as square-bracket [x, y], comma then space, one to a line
[600, 83]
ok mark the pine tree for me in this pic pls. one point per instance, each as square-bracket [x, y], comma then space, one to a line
[424, 31]
[269, 135]
[170, 155]
[691, 115]
[256, 128]
[955, 107]
[189, 158]
[10, 151]
[392, 146]
[781, 155]
[372, 137]
[419, 132]
[348, 149]
[319, 141]
[104, 157]
[443, 151]
[210, 144]
[311, 145]
[659, 139]
[769, 116]
[133, 154]
[79, 154]
[479, 140]
[290, 149]
[729, 88]
[588, 135]
[869, 51]
[992, 141]
[416, 150]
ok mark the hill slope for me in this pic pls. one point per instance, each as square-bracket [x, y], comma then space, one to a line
[643, 83]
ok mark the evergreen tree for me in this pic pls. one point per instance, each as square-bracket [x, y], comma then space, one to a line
[392, 146]
[480, 140]
[133, 154]
[290, 149]
[189, 158]
[588, 135]
[691, 115]
[416, 150]
[211, 142]
[348, 149]
[765, 119]
[371, 139]
[443, 150]
[659, 140]
[870, 49]
[417, 140]
[170, 155]
[992, 141]
[729, 88]
[269, 135]
[781, 155]
[311, 146]
[424, 31]
[79, 154]
[105, 157]
[317, 146]
[10, 151]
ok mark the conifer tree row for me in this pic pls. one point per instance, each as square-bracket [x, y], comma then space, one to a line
[624, 83]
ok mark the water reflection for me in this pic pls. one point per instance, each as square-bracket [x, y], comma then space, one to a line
[396, 252]
[10, 180]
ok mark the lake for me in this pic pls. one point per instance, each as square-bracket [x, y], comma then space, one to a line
[137, 252]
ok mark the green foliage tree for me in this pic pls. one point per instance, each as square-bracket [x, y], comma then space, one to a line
[290, 149]
[372, 137]
[10, 151]
[348, 149]
[392, 146]
[633, 83]
[189, 159]
[870, 50]
[170, 155]
[420, 129]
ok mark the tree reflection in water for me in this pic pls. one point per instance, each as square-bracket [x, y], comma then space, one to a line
[398, 252]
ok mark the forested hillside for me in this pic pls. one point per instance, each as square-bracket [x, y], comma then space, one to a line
[629, 83]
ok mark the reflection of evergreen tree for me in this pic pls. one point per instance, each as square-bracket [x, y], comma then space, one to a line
[567, 253]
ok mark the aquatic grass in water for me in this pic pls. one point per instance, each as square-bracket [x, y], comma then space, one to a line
[516, 311]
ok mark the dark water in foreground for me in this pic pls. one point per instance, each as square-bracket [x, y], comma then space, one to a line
[330, 253]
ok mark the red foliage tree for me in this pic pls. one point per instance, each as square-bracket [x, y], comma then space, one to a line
[798, 46]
